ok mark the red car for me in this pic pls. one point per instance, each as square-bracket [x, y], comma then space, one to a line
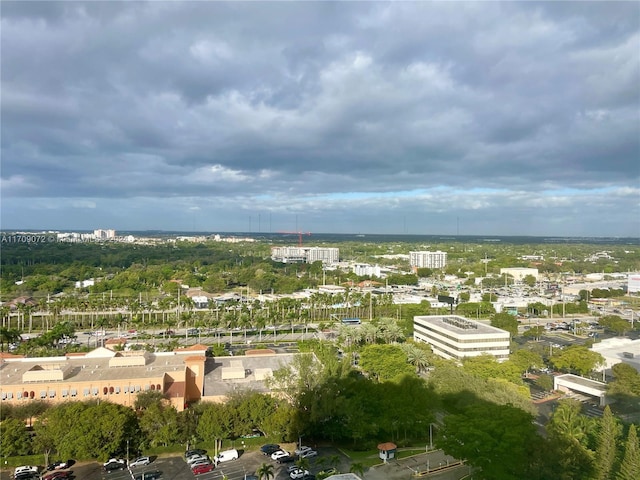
[57, 476]
[198, 469]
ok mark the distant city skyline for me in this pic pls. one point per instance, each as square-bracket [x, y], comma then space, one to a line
[434, 118]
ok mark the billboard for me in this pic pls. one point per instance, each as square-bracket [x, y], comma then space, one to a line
[446, 299]
[633, 285]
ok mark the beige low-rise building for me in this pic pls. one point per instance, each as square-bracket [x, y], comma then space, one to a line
[104, 374]
[183, 376]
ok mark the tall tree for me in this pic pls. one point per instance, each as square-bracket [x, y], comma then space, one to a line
[15, 438]
[630, 466]
[495, 438]
[607, 442]
[577, 358]
[505, 321]
[384, 362]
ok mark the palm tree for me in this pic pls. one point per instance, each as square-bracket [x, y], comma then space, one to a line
[5, 312]
[265, 471]
[8, 336]
[357, 468]
[416, 356]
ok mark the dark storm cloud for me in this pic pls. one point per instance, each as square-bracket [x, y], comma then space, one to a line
[347, 106]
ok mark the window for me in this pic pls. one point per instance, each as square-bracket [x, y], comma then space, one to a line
[10, 395]
[146, 388]
[137, 388]
[19, 395]
[43, 394]
[4, 396]
[74, 392]
[126, 389]
[118, 389]
[158, 387]
[86, 392]
[52, 393]
[65, 392]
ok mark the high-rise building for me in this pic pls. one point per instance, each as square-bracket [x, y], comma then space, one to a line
[305, 254]
[104, 234]
[426, 259]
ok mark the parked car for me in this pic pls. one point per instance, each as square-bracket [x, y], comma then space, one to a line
[27, 476]
[59, 475]
[226, 456]
[279, 454]
[204, 468]
[196, 458]
[140, 462]
[328, 472]
[57, 465]
[287, 459]
[269, 448]
[195, 451]
[153, 475]
[25, 469]
[114, 464]
[309, 454]
[299, 474]
[302, 449]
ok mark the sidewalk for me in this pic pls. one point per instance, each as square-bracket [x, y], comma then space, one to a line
[409, 468]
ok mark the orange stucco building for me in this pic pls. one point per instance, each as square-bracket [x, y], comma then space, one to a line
[105, 374]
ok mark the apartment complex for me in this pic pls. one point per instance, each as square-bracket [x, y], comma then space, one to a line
[455, 337]
[364, 269]
[101, 234]
[426, 259]
[305, 254]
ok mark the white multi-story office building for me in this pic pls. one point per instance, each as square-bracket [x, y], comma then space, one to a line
[305, 254]
[426, 259]
[455, 337]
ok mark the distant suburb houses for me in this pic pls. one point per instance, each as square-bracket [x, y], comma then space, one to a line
[183, 376]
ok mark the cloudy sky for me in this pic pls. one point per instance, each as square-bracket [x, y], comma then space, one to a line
[516, 118]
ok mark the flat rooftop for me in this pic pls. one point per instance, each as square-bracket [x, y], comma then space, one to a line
[460, 325]
[255, 369]
[585, 382]
[96, 366]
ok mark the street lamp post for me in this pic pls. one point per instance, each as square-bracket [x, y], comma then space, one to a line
[431, 436]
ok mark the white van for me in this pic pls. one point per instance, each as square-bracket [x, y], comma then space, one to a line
[226, 456]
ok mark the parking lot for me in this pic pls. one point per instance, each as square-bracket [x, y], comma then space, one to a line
[175, 468]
